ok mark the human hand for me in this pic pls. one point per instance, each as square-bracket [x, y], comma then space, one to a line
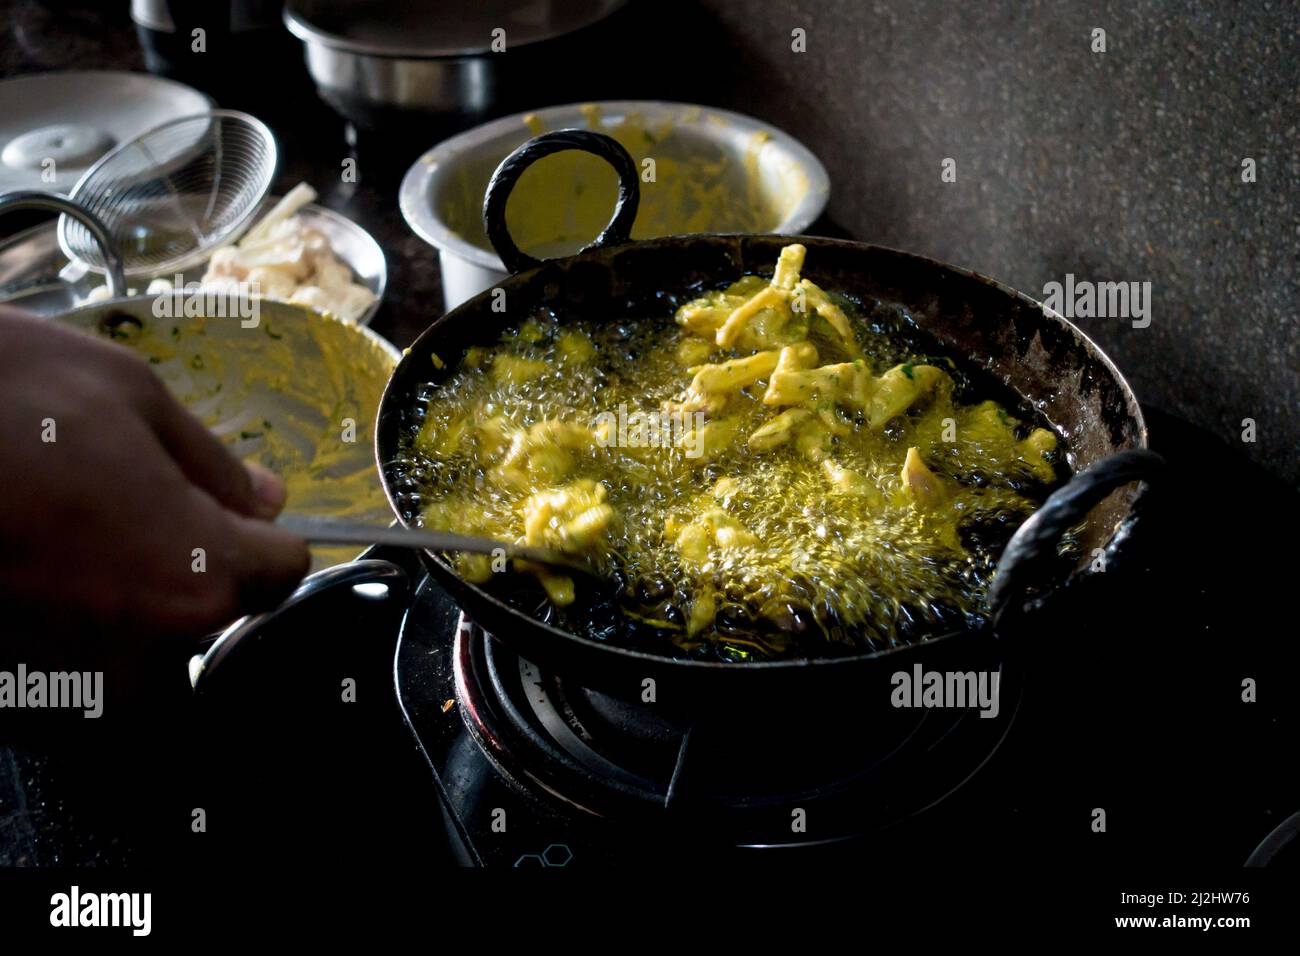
[120, 514]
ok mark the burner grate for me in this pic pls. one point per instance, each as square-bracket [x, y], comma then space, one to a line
[742, 775]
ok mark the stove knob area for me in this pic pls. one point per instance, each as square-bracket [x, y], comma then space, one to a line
[555, 855]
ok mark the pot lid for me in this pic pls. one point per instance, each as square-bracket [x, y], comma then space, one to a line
[54, 126]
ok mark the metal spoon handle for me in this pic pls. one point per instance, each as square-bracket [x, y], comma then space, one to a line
[322, 530]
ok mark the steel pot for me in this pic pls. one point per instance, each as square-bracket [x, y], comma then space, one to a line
[380, 65]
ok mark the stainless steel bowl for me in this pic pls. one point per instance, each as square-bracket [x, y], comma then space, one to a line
[272, 393]
[371, 61]
[356, 248]
[440, 187]
[36, 275]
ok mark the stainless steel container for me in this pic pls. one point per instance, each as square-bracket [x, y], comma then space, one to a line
[442, 192]
[374, 61]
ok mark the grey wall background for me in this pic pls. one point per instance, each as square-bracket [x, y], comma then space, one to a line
[1117, 166]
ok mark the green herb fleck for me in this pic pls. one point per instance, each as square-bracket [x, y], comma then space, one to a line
[907, 370]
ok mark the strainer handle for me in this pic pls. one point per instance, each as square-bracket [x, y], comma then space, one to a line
[34, 199]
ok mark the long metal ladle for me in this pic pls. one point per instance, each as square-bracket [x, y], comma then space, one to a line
[320, 530]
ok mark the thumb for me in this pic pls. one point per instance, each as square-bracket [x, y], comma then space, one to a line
[271, 562]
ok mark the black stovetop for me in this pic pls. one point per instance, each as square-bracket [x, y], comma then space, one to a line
[1131, 702]
[525, 759]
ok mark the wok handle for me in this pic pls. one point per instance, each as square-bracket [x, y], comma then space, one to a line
[512, 167]
[51, 202]
[1039, 536]
[365, 571]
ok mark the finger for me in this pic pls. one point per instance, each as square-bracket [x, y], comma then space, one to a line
[272, 562]
[205, 460]
[269, 488]
[13, 313]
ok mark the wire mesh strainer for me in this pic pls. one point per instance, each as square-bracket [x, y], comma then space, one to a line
[171, 195]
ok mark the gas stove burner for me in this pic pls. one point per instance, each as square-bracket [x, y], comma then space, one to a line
[789, 775]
